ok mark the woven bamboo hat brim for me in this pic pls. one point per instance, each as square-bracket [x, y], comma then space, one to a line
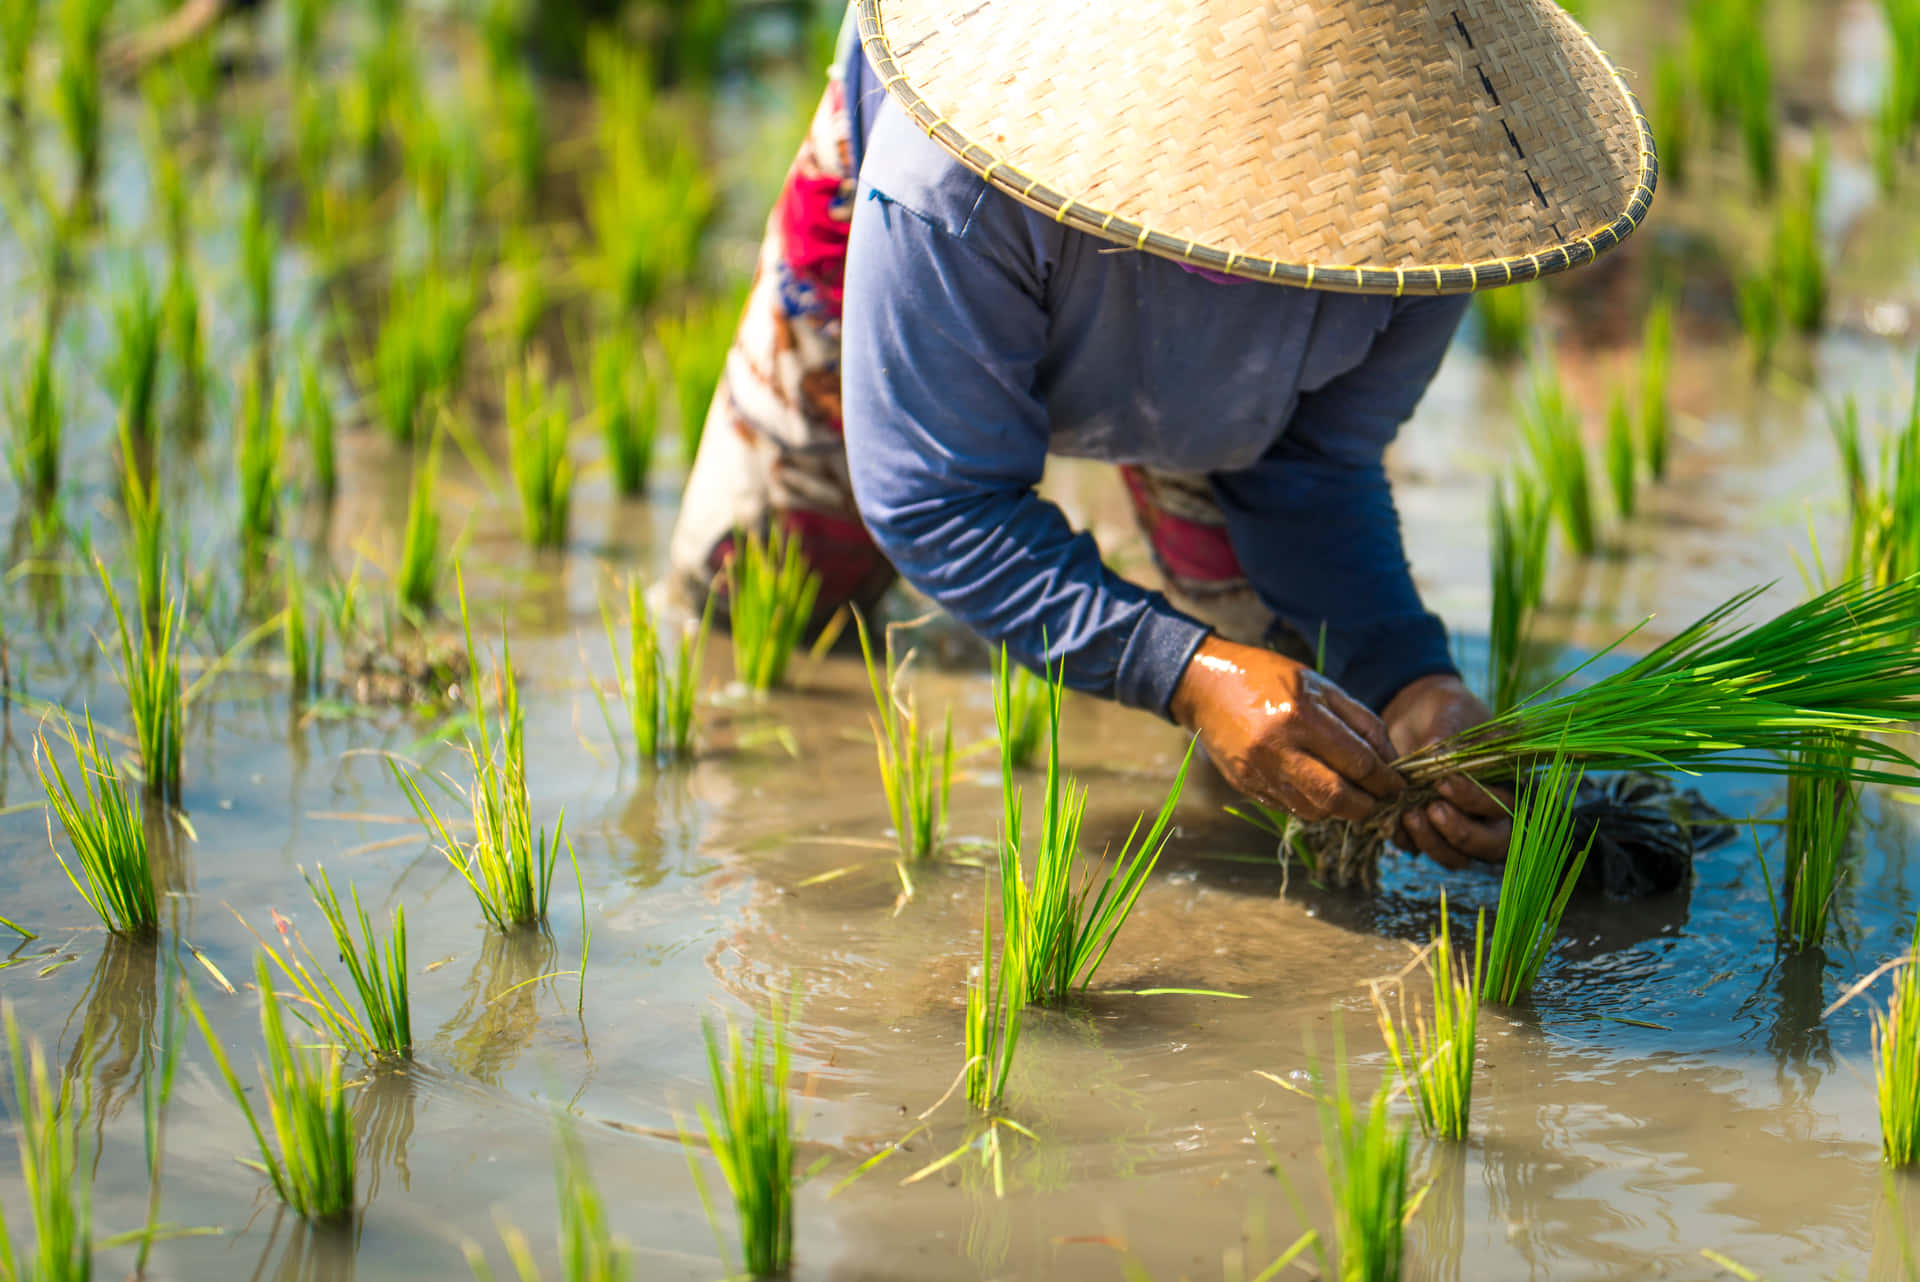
[1367, 146]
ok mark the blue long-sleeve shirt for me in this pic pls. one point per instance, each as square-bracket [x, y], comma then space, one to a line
[980, 336]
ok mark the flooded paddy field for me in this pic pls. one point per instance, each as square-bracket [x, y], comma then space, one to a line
[1677, 1083]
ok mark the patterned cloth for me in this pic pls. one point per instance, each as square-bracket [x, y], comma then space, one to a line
[773, 450]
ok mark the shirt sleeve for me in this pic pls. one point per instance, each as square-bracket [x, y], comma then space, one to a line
[946, 440]
[1314, 525]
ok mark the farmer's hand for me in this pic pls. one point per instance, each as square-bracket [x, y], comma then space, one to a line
[1285, 735]
[1468, 821]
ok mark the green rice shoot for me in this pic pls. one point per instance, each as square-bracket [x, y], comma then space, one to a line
[1797, 259]
[104, 830]
[750, 1133]
[1536, 882]
[1551, 425]
[311, 1157]
[37, 417]
[1621, 456]
[1656, 360]
[379, 1025]
[627, 401]
[1433, 1052]
[1365, 1155]
[156, 698]
[589, 1249]
[1896, 1061]
[996, 1007]
[770, 599]
[915, 774]
[78, 99]
[56, 1171]
[261, 462]
[133, 365]
[1506, 321]
[696, 344]
[661, 696]
[1061, 924]
[1026, 712]
[317, 430]
[1518, 555]
[147, 538]
[538, 425]
[1822, 806]
[417, 575]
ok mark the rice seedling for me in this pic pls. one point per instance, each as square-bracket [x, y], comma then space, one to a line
[660, 696]
[317, 429]
[1506, 321]
[259, 252]
[104, 829]
[696, 345]
[1026, 712]
[1899, 108]
[750, 1133]
[1535, 882]
[54, 1168]
[1822, 804]
[916, 777]
[1058, 931]
[1896, 1061]
[150, 676]
[304, 21]
[1551, 424]
[19, 21]
[306, 641]
[133, 367]
[996, 1007]
[770, 596]
[260, 459]
[1656, 358]
[416, 579]
[518, 138]
[35, 409]
[1732, 68]
[649, 201]
[627, 400]
[313, 1169]
[147, 543]
[421, 346]
[1798, 261]
[1622, 458]
[1434, 1053]
[380, 1026]
[184, 335]
[1518, 557]
[1883, 503]
[589, 1249]
[78, 100]
[1673, 117]
[522, 291]
[1759, 310]
[508, 864]
[538, 425]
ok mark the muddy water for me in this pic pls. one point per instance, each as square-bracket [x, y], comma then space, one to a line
[1727, 1115]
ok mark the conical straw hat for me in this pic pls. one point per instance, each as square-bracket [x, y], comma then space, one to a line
[1367, 146]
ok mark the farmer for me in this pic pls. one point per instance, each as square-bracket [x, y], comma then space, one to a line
[1222, 244]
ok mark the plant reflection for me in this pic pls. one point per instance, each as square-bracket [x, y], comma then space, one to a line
[500, 1012]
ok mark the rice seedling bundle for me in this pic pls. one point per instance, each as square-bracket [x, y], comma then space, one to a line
[259, 252]
[1059, 931]
[589, 1249]
[1506, 321]
[380, 1026]
[696, 345]
[1622, 458]
[417, 576]
[55, 1170]
[1673, 117]
[627, 400]
[518, 134]
[770, 597]
[19, 20]
[508, 864]
[537, 430]
[750, 1132]
[1822, 804]
[1733, 69]
[261, 447]
[1899, 109]
[317, 429]
[184, 338]
[1759, 310]
[1656, 359]
[146, 532]
[1896, 1061]
[156, 699]
[306, 640]
[311, 1157]
[522, 291]
[304, 20]
[1518, 565]
[1883, 505]
[421, 346]
[104, 830]
[1365, 1156]
[82, 29]
[1026, 714]
[996, 1007]
[1434, 1053]
[660, 696]
[35, 410]
[1798, 260]
[133, 368]
[916, 776]
[1551, 425]
[1535, 882]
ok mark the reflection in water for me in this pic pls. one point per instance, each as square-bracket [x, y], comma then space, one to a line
[309, 1253]
[167, 849]
[1798, 1036]
[1443, 1216]
[1896, 1231]
[116, 1016]
[383, 1115]
[501, 1010]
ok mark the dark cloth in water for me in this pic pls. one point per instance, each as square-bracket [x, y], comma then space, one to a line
[1645, 833]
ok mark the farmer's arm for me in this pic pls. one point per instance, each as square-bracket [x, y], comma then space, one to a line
[1315, 526]
[946, 441]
